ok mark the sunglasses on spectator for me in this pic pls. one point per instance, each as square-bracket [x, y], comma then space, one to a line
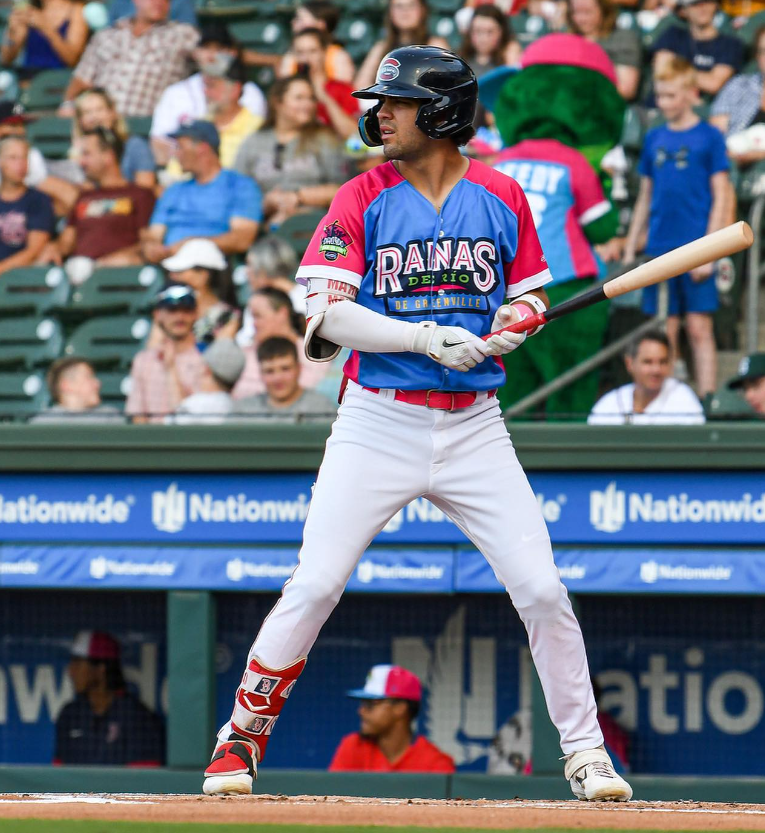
[176, 297]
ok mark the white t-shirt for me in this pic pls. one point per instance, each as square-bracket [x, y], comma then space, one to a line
[202, 409]
[36, 169]
[676, 404]
[185, 101]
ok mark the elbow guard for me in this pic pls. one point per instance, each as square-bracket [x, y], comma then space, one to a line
[321, 294]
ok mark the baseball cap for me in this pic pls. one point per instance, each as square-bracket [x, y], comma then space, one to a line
[225, 359]
[175, 296]
[196, 253]
[750, 367]
[389, 681]
[12, 112]
[201, 131]
[95, 645]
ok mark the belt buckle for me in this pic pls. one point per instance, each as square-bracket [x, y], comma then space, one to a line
[445, 392]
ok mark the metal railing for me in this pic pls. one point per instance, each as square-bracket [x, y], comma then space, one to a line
[754, 275]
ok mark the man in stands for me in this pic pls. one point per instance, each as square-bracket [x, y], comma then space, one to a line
[76, 393]
[107, 220]
[171, 366]
[750, 381]
[26, 215]
[135, 60]
[283, 398]
[222, 205]
[390, 703]
[653, 397]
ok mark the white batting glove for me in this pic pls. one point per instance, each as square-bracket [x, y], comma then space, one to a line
[453, 347]
[504, 343]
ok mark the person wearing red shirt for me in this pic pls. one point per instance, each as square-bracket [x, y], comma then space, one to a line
[390, 702]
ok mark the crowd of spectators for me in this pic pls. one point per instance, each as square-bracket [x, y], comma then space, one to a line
[226, 163]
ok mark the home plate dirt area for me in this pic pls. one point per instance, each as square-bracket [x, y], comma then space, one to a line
[367, 812]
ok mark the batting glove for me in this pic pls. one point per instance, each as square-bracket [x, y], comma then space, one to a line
[503, 343]
[453, 347]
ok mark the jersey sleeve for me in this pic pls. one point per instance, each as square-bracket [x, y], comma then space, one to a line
[528, 268]
[336, 250]
[590, 202]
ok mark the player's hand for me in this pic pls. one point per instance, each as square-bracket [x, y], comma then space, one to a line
[503, 343]
[453, 347]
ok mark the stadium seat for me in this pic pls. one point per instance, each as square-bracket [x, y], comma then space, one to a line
[445, 27]
[633, 131]
[528, 27]
[29, 342]
[357, 34]
[626, 20]
[728, 404]
[267, 36]
[115, 290]
[262, 76]
[46, 90]
[447, 7]
[241, 285]
[9, 84]
[33, 290]
[298, 230]
[115, 387]
[650, 37]
[139, 125]
[228, 10]
[372, 9]
[109, 341]
[21, 395]
[751, 27]
[52, 136]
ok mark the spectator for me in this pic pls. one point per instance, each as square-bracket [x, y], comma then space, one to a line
[182, 11]
[95, 108]
[390, 703]
[323, 15]
[715, 57]
[169, 369]
[201, 265]
[406, 23]
[740, 105]
[135, 60]
[336, 106]
[106, 223]
[683, 195]
[51, 33]
[750, 381]
[26, 215]
[271, 262]
[653, 397]
[221, 205]
[273, 315]
[280, 371]
[296, 161]
[212, 403]
[76, 393]
[105, 724]
[185, 100]
[489, 41]
[596, 21]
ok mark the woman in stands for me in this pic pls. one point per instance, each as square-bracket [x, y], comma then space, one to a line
[406, 23]
[296, 161]
[51, 33]
[596, 21]
[95, 108]
[489, 42]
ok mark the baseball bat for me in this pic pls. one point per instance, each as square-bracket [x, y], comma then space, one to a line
[726, 241]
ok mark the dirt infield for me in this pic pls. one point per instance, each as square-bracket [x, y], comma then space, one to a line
[329, 810]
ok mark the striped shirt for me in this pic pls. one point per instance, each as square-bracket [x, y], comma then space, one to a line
[740, 99]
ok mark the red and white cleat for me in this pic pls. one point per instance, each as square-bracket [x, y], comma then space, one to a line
[231, 770]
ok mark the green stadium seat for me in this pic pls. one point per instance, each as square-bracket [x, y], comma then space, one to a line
[298, 230]
[528, 27]
[29, 342]
[46, 90]
[52, 136]
[242, 286]
[228, 10]
[270, 36]
[633, 131]
[109, 341]
[33, 290]
[115, 387]
[751, 27]
[728, 404]
[372, 9]
[22, 395]
[626, 20]
[358, 35]
[139, 125]
[449, 7]
[116, 290]
[262, 76]
[445, 27]
[650, 37]
[750, 182]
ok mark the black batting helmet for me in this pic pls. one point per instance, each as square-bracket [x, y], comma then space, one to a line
[443, 82]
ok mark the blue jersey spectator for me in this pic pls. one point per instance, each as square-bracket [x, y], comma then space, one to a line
[218, 204]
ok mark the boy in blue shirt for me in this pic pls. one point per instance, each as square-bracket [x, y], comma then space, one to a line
[683, 195]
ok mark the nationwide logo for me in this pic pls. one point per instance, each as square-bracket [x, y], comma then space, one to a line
[101, 567]
[19, 568]
[652, 571]
[30, 509]
[573, 571]
[173, 508]
[369, 571]
[611, 508]
[237, 569]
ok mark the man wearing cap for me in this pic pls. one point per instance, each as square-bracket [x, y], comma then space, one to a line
[104, 724]
[750, 381]
[170, 368]
[222, 205]
[390, 702]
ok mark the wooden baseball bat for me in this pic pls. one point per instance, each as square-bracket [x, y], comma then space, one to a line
[726, 241]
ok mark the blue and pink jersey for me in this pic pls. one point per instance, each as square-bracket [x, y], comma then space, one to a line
[411, 262]
[565, 195]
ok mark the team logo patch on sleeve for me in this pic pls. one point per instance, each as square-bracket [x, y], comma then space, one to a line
[335, 241]
[388, 70]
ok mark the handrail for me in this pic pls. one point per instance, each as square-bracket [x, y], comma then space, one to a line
[755, 273]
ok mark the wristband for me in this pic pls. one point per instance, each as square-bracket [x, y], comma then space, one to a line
[528, 305]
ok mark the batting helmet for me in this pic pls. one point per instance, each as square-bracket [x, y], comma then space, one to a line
[443, 82]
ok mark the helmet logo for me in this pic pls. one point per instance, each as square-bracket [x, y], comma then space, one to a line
[388, 70]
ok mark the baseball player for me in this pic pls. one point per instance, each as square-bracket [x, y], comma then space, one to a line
[414, 262]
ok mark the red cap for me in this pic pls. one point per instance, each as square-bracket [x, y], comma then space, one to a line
[95, 645]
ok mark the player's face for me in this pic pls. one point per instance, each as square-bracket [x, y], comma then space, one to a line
[401, 137]
[280, 376]
[586, 16]
[82, 675]
[674, 97]
[754, 393]
[377, 717]
[650, 367]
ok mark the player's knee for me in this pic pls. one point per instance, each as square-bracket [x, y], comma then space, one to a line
[321, 591]
[543, 598]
